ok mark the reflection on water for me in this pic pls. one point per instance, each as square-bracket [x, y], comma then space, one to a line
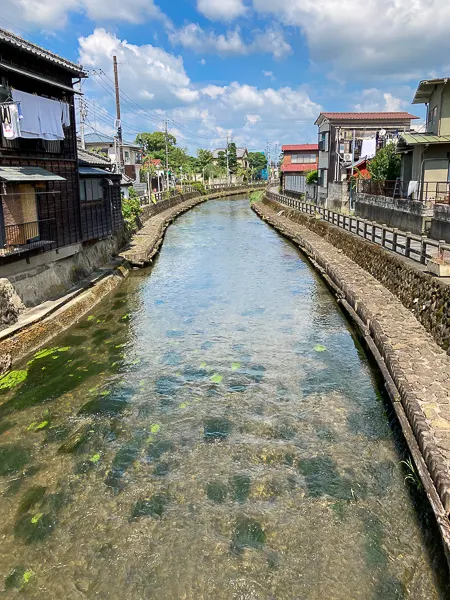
[212, 430]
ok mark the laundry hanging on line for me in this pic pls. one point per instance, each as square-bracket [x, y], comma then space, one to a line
[42, 118]
[10, 114]
[369, 148]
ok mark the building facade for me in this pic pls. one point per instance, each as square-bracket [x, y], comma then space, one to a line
[107, 145]
[298, 161]
[426, 156]
[241, 155]
[345, 138]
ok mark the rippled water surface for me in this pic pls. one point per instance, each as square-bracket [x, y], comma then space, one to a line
[211, 430]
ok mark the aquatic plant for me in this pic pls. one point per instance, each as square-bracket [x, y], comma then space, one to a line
[12, 379]
[412, 477]
[320, 348]
[216, 378]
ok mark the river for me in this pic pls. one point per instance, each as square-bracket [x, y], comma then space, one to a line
[212, 430]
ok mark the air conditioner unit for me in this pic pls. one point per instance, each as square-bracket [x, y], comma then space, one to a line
[347, 157]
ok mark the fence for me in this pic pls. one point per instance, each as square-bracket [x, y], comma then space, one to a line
[416, 247]
[427, 191]
[22, 237]
[216, 187]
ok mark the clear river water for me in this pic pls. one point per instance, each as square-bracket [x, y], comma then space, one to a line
[213, 429]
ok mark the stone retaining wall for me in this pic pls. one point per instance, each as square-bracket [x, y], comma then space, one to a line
[440, 223]
[425, 296]
[407, 215]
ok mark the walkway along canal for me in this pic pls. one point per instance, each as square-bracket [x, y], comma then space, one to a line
[212, 430]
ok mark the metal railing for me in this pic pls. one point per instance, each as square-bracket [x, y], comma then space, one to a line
[416, 247]
[22, 237]
[429, 192]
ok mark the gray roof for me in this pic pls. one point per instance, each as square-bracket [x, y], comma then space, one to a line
[93, 171]
[92, 159]
[23, 174]
[101, 138]
[239, 152]
[424, 138]
[20, 43]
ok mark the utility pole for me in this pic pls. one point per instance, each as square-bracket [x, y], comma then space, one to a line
[83, 114]
[167, 152]
[351, 174]
[119, 123]
[228, 167]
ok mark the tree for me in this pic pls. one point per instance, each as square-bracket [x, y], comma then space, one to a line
[312, 177]
[204, 158]
[258, 162]
[232, 158]
[386, 164]
[222, 160]
[243, 172]
[155, 143]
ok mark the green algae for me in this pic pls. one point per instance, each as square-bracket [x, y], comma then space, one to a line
[216, 429]
[34, 528]
[18, 578]
[240, 487]
[323, 479]
[150, 507]
[248, 533]
[235, 366]
[216, 378]
[31, 497]
[217, 491]
[12, 379]
[13, 459]
[95, 458]
[155, 428]
[320, 348]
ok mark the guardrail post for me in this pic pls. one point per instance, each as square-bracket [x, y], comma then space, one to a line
[407, 244]
[383, 235]
[394, 239]
[365, 230]
[374, 232]
[423, 250]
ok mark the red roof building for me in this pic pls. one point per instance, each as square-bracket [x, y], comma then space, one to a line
[298, 160]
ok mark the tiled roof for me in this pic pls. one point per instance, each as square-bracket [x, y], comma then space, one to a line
[299, 147]
[18, 42]
[92, 159]
[302, 168]
[366, 116]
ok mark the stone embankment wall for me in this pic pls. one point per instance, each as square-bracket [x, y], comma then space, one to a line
[407, 215]
[425, 296]
[416, 370]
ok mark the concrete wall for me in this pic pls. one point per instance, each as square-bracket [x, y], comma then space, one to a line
[338, 196]
[407, 215]
[440, 223]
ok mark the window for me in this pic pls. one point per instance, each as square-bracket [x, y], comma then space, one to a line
[323, 177]
[91, 190]
[303, 159]
[432, 117]
[323, 141]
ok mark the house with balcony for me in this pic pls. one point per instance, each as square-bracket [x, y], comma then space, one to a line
[107, 145]
[41, 209]
[347, 137]
[39, 189]
[425, 171]
[298, 161]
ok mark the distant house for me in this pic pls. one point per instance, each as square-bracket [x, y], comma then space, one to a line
[425, 170]
[346, 137]
[100, 194]
[298, 160]
[39, 192]
[241, 155]
[132, 153]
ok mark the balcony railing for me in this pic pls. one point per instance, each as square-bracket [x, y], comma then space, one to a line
[429, 192]
[23, 237]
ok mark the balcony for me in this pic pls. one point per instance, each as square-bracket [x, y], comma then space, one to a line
[22, 237]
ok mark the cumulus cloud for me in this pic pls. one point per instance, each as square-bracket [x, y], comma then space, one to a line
[231, 43]
[376, 100]
[221, 10]
[395, 38]
[54, 14]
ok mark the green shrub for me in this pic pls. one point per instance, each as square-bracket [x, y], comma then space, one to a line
[131, 209]
[312, 177]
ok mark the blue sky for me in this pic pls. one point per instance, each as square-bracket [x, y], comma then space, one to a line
[258, 70]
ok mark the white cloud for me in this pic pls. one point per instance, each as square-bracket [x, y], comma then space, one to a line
[203, 62]
[375, 100]
[157, 81]
[221, 10]
[398, 38]
[54, 14]
[231, 43]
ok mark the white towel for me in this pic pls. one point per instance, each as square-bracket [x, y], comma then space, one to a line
[11, 126]
[413, 186]
[369, 148]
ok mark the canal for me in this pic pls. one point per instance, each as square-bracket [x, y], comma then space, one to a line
[212, 430]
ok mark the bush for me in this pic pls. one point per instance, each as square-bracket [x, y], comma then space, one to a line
[131, 209]
[197, 185]
[312, 177]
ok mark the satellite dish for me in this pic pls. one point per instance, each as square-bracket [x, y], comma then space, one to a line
[382, 132]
